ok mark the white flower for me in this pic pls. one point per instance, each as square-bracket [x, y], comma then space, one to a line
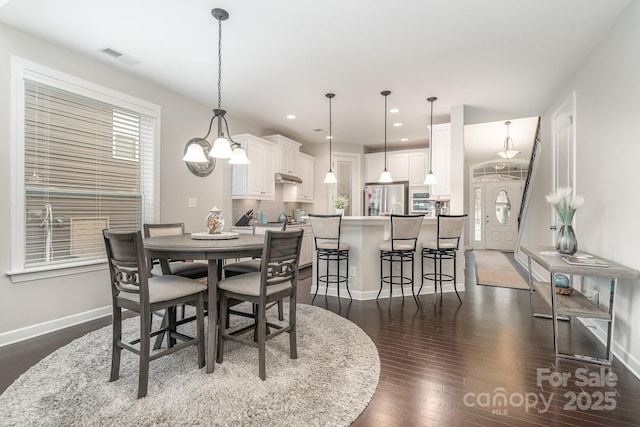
[565, 203]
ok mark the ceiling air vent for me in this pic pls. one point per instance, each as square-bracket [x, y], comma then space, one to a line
[111, 52]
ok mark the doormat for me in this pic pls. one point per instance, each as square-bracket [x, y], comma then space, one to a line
[493, 268]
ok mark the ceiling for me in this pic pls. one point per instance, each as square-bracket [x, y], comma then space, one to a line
[500, 58]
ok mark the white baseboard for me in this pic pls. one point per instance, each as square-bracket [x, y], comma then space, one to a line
[33, 331]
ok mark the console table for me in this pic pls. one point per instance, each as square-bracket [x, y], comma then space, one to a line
[576, 304]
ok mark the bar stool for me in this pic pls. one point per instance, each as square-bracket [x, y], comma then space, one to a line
[326, 234]
[445, 247]
[400, 248]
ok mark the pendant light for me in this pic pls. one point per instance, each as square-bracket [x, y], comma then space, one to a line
[385, 176]
[430, 179]
[508, 151]
[330, 178]
[222, 148]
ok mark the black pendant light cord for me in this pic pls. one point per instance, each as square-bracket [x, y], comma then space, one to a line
[385, 93]
[330, 96]
[433, 98]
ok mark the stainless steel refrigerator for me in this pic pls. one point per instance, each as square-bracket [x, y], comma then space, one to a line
[381, 199]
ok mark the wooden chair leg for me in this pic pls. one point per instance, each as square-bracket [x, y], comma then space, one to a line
[261, 320]
[280, 310]
[116, 350]
[200, 326]
[222, 327]
[293, 348]
[145, 352]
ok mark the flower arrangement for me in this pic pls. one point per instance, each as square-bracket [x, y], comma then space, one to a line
[340, 202]
[565, 203]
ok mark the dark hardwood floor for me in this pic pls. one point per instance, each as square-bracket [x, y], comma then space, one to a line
[453, 364]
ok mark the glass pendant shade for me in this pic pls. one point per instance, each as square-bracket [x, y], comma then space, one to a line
[221, 149]
[430, 179]
[330, 178]
[195, 154]
[239, 157]
[508, 151]
[385, 176]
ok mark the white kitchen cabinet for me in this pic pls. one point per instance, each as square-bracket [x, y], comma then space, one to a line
[286, 154]
[441, 163]
[255, 180]
[301, 192]
[418, 166]
[373, 166]
[404, 165]
[398, 165]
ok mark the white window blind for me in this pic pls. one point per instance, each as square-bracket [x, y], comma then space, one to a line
[88, 165]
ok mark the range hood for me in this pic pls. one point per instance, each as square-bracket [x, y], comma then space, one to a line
[283, 178]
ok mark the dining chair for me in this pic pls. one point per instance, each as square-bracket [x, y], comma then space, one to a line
[253, 265]
[276, 280]
[133, 289]
[329, 248]
[445, 247]
[185, 268]
[399, 249]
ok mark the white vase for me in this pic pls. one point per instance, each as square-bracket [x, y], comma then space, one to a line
[339, 211]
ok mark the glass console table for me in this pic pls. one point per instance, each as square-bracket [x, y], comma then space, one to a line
[576, 304]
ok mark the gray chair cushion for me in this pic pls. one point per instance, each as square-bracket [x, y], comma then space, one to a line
[183, 268]
[398, 246]
[166, 288]
[432, 244]
[332, 245]
[249, 266]
[249, 284]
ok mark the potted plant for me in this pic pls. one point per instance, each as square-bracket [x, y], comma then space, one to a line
[341, 202]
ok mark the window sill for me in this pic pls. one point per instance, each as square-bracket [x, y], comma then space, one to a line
[47, 272]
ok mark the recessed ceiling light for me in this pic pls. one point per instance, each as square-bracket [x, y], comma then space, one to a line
[397, 124]
[291, 116]
[394, 110]
[329, 137]
[404, 139]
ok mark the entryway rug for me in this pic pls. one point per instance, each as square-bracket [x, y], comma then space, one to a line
[330, 383]
[493, 268]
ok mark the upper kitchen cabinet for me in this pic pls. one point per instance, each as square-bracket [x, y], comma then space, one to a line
[302, 192]
[373, 166]
[418, 165]
[403, 165]
[286, 154]
[441, 162]
[257, 179]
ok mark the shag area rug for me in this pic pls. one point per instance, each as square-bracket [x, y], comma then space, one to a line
[330, 383]
[493, 268]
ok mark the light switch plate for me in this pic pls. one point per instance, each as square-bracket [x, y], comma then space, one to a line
[193, 202]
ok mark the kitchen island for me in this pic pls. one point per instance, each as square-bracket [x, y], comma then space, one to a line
[364, 234]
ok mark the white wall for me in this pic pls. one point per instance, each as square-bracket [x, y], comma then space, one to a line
[62, 300]
[608, 153]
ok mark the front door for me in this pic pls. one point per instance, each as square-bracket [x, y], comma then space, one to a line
[564, 151]
[502, 203]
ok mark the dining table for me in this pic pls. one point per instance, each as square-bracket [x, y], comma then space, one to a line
[214, 251]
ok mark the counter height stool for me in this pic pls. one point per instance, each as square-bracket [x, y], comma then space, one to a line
[326, 233]
[445, 247]
[400, 248]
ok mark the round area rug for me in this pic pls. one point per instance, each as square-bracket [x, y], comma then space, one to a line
[330, 383]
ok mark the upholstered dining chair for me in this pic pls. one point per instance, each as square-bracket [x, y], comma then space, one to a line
[184, 268]
[400, 249]
[276, 280]
[253, 265]
[329, 248]
[445, 247]
[133, 289]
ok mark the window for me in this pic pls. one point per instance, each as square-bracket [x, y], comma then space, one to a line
[84, 162]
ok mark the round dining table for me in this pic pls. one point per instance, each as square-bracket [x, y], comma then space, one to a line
[184, 246]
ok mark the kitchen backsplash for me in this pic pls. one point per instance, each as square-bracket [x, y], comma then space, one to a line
[271, 208]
